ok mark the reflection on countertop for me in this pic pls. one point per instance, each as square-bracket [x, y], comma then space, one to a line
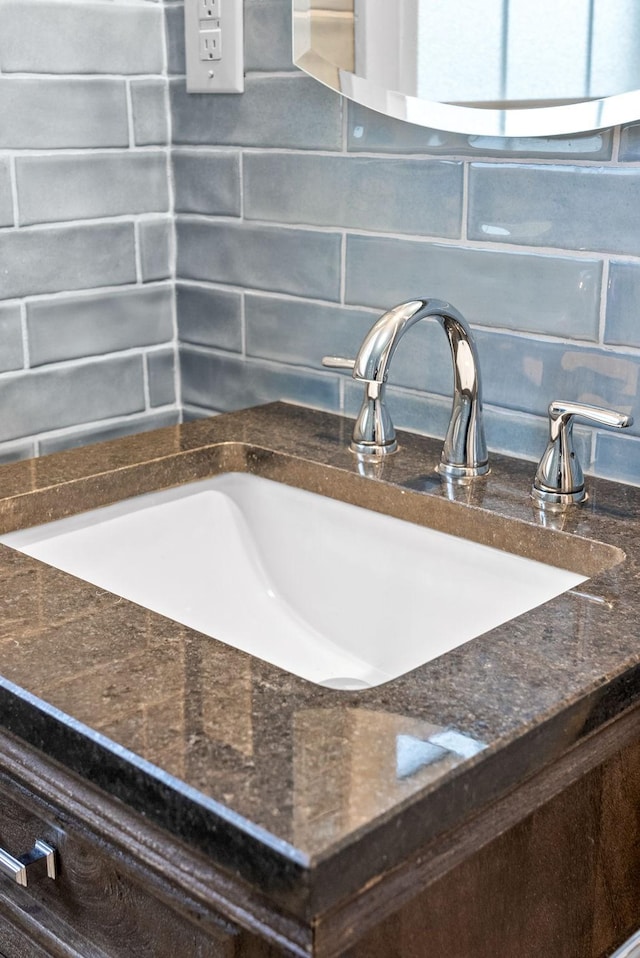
[271, 775]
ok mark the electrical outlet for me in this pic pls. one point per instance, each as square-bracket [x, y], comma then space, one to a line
[209, 9]
[214, 45]
[210, 44]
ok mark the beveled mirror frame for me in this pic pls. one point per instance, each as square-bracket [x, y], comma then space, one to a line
[516, 121]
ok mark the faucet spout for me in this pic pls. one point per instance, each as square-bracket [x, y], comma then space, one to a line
[464, 453]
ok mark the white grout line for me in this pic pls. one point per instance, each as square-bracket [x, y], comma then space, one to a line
[604, 295]
[173, 246]
[343, 268]
[145, 383]
[466, 174]
[416, 238]
[13, 179]
[138, 251]
[25, 336]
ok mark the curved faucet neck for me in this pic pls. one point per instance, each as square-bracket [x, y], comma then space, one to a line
[465, 451]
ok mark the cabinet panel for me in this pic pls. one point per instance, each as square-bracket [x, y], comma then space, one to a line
[96, 907]
[563, 883]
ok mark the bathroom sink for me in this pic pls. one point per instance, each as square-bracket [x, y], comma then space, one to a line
[337, 594]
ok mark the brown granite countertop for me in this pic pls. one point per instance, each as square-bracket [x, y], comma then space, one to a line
[293, 786]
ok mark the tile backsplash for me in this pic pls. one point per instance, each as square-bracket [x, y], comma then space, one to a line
[87, 317]
[298, 217]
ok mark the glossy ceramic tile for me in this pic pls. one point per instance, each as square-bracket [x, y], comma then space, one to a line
[106, 38]
[300, 332]
[207, 182]
[630, 143]
[302, 262]
[618, 457]
[52, 189]
[61, 113]
[13, 452]
[209, 317]
[161, 365]
[520, 291]
[224, 382]
[148, 105]
[174, 19]
[77, 326]
[66, 258]
[526, 375]
[268, 35]
[294, 112]
[397, 196]
[66, 396]
[371, 132]
[11, 353]
[622, 324]
[131, 425]
[155, 238]
[576, 208]
[6, 201]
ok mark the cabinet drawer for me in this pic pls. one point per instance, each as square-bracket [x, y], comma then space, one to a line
[98, 905]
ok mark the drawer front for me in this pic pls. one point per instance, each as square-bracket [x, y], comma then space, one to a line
[98, 905]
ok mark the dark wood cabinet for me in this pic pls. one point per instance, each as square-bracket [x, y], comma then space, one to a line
[97, 906]
[563, 883]
[552, 870]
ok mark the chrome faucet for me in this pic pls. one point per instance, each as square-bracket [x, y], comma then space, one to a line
[559, 479]
[464, 453]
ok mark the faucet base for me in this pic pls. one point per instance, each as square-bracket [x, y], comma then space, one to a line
[452, 471]
[547, 498]
[375, 449]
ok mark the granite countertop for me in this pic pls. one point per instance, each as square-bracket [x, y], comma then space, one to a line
[295, 787]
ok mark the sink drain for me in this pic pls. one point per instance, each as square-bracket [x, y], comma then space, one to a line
[345, 684]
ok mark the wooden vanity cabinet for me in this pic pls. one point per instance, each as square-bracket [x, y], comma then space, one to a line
[551, 871]
[98, 905]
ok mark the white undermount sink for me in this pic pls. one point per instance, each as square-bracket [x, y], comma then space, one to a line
[332, 592]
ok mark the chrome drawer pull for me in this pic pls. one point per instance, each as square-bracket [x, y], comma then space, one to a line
[17, 868]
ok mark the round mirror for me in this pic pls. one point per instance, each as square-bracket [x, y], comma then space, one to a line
[485, 67]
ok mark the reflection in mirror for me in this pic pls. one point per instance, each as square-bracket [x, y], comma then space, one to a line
[500, 67]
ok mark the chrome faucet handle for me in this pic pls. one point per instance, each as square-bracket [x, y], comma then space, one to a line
[374, 433]
[559, 478]
[338, 362]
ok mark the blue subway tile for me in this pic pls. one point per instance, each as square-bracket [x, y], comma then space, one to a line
[623, 305]
[42, 37]
[150, 113]
[6, 199]
[66, 258]
[618, 457]
[90, 185]
[302, 262]
[570, 207]
[69, 395]
[384, 195]
[126, 427]
[207, 183]
[59, 113]
[267, 33]
[156, 245]
[161, 368]
[295, 112]
[371, 132]
[79, 326]
[522, 291]
[209, 317]
[225, 382]
[11, 351]
[301, 333]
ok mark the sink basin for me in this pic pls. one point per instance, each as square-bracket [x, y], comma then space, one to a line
[332, 592]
